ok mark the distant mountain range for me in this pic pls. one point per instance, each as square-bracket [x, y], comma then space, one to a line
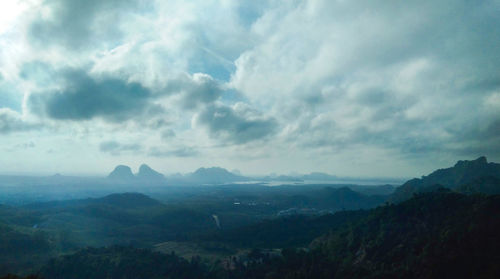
[215, 175]
[147, 173]
[475, 176]
[212, 175]
[123, 173]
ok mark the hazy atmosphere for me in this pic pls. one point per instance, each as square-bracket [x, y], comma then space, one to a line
[351, 88]
[228, 139]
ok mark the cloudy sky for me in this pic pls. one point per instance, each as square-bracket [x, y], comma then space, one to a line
[352, 88]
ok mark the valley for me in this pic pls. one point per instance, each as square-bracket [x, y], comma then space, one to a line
[241, 229]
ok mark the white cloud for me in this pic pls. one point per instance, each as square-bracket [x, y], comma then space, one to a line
[11, 121]
[313, 78]
[373, 72]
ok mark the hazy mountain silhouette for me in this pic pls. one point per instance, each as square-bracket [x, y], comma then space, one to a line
[147, 173]
[464, 172]
[122, 172]
[215, 175]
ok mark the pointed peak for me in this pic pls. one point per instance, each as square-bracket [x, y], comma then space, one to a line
[146, 172]
[144, 167]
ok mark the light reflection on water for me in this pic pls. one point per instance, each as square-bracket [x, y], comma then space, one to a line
[312, 182]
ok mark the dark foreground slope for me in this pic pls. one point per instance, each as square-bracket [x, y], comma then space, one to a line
[122, 262]
[286, 232]
[434, 235]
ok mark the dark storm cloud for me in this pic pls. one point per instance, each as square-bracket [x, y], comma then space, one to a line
[79, 24]
[237, 126]
[116, 148]
[81, 96]
[478, 140]
[84, 98]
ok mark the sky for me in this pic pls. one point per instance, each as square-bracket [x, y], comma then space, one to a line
[352, 88]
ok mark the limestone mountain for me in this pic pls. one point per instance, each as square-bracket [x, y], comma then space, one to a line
[462, 173]
[149, 174]
[215, 175]
[122, 173]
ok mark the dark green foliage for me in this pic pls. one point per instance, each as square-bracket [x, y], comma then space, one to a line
[440, 234]
[128, 200]
[122, 219]
[27, 242]
[489, 185]
[344, 199]
[435, 235]
[15, 242]
[462, 173]
[11, 276]
[21, 250]
[16, 216]
[123, 263]
[293, 231]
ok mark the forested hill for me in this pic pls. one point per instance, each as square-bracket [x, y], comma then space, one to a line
[441, 234]
[122, 262]
[465, 176]
[433, 235]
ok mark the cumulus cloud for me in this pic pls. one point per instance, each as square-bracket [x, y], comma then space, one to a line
[198, 90]
[367, 79]
[78, 25]
[238, 124]
[76, 94]
[84, 97]
[12, 121]
[352, 74]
